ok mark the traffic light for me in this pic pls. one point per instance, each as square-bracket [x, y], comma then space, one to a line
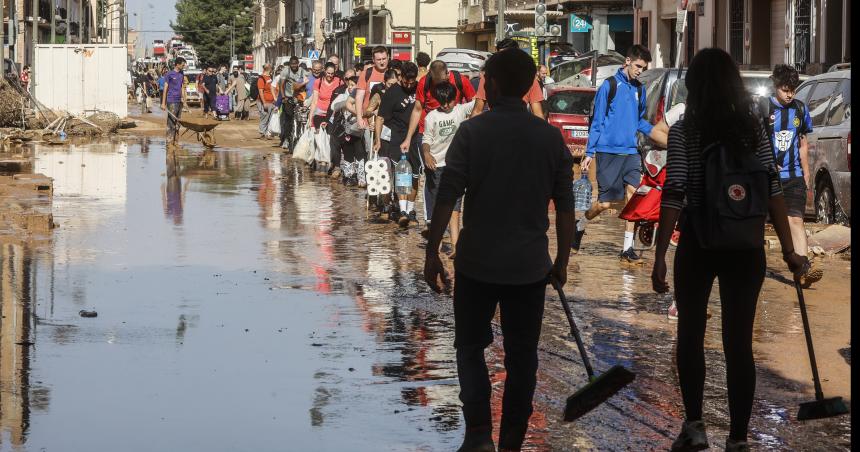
[540, 19]
[555, 30]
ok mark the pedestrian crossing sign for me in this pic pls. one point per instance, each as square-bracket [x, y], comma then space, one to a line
[314, 54]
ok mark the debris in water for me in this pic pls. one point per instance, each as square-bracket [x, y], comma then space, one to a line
[85, 313]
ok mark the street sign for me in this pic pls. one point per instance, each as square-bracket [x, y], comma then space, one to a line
[681, 21]
[357, 43]
[314, 54]
[401, 37]
[580, 24]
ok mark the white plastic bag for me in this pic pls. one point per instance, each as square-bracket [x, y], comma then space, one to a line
[275, 122]
[322, 153]
[304, 149]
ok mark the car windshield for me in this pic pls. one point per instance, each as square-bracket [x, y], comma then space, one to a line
[570, 68]
[571, 102]
[457, 66]
[471, 55]
[756, 85]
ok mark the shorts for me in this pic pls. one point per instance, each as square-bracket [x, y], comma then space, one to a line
[794, 192]
[433, 180]
[614, 171]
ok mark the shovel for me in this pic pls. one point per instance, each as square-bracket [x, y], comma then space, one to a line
[819, 408]
[599, 388]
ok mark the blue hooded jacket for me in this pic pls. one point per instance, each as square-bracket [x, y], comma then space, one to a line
[615, 132]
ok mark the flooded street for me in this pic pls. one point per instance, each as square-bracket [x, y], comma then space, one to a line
[245, 304]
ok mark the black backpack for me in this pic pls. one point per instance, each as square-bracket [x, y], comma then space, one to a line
[613, 88]
[255, 90]
[735, 202]
[458, 82]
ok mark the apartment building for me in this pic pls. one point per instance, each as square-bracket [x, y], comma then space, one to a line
[74, 21]
[811, 35]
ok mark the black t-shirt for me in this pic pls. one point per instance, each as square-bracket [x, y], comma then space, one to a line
[210, 81]
[396, 109]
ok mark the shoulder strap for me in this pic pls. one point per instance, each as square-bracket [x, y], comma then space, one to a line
[426, 80]
[367, 74]
[613, 87]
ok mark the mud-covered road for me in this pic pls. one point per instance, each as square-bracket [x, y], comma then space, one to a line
[245, 304]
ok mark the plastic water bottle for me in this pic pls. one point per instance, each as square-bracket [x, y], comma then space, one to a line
[62, 135]
[582, 194]
[403, 176]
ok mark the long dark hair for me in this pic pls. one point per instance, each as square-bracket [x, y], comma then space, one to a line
[718, 105]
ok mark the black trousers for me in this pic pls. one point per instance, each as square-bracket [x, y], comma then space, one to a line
[286, 124]
[741, 274]
[521, 311]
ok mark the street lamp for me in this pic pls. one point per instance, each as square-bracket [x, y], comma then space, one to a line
[418, 23]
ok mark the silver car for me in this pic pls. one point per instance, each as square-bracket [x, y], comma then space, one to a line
[828, 97]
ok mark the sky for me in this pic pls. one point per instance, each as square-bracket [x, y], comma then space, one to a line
[153, 18]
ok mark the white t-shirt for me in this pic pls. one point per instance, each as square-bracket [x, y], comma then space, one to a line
[440, 127]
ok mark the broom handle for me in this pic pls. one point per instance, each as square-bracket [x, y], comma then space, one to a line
[574, 331]
[819, 394]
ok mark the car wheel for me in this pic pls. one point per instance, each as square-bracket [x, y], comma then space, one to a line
[825, 202]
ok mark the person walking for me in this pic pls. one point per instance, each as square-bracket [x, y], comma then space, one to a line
[292, 79]
[369, 77]
[440, 126]
[509, 164]
[719, 112]
[266, 100]
[787, 122]
[348, 151]
[173, 97]
[395, 110]
[532, 98]
[319, 114]
[240, 90]
[210, 90]
[544, 79]
[619, 113]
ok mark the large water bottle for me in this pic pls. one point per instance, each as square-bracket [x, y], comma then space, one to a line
[582, 194]
[403, 176]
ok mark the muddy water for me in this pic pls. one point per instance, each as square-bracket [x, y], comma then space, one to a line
[244, 304]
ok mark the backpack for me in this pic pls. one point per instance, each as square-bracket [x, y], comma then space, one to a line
[255, 90]
[458, 82]
[735, 202]
[613, 88]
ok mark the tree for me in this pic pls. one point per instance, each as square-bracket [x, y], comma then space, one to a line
[199, 22]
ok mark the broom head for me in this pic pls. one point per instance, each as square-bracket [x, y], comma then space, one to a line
[597, 391]
[820, 409]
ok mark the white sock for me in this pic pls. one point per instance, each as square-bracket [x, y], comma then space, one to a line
[628, 241]
[410, 206]
[402, 204]
[580, 225]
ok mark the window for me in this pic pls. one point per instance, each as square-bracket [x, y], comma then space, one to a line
[840, 109]
[803, 93]
[643, 32]
[820, 100]
[571, 102]
[736, 30]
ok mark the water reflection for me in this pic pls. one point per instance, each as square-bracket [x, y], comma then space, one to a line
[173, 195]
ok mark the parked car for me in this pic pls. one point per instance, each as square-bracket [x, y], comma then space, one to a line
[577, 72]
[828, 97]
[192, 95]
[559, 52]
[453, 54]
[569, 108]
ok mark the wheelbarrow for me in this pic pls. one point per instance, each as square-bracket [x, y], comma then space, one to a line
[201, 126]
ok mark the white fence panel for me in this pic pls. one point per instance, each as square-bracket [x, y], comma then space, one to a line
[82, 78]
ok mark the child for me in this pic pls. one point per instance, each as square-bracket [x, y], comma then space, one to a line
[787, 121]
[440, 125]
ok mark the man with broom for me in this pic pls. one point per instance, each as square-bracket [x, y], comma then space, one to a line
[510, 165]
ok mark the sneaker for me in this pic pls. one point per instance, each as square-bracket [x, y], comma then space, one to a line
[813, 274]
[733, 445]
[630, 256]
[393, 214]
[676, 235]
[577, 240]
[673, 311]
[412, 217]
[692, 438]
[403, 219]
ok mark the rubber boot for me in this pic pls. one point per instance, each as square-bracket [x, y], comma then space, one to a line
[362, 181]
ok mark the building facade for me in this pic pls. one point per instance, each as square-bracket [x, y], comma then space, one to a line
[76, 24]
[810, 35]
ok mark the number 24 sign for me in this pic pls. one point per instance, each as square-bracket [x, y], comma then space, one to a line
[580, 24]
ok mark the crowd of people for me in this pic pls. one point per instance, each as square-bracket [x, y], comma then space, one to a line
[471, 138]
